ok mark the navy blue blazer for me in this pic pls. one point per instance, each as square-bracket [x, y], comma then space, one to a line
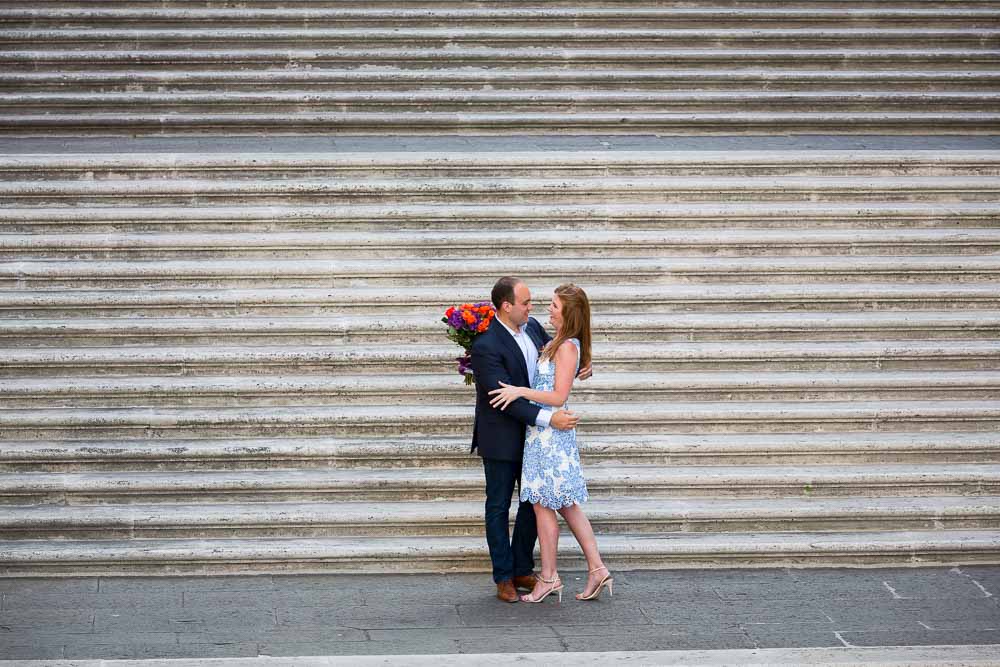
[499, 434]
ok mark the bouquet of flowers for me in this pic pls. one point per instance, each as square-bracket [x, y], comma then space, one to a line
[465, 322]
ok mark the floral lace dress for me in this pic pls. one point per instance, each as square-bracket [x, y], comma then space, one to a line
[550, 473]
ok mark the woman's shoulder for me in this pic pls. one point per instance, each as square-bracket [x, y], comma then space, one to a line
[568, 347]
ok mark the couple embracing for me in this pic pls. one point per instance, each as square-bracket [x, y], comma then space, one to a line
[526, 437]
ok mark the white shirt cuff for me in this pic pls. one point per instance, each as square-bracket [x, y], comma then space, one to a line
[542, 420]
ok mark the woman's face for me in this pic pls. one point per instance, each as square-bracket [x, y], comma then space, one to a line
[555, 312]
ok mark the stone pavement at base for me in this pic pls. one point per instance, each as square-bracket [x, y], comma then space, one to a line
[298, 615]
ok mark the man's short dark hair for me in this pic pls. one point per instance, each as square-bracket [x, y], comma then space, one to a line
[504, 291]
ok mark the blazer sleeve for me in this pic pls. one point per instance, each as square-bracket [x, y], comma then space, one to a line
[489, 369]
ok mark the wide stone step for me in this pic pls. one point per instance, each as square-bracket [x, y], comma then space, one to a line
[552, 78]
[431, 302]
[620, 516]
[423, 554]
[809, 449]
[523, 36]
[28, 57]
[567, 8]
[446, 484]
[130, 161]
[405, 215]
[484, 190]
[605, 418]
[346, 244]
[17, 106]
[618, 328]
[133, 160]
[448, 388]
[377, 359]
[466, 270]
[970, 15]
[500, 122]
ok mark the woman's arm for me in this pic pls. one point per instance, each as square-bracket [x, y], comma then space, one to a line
[487, 365]
[565, 359]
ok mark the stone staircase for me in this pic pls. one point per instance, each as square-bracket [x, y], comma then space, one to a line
[222, 351]
[425, 67]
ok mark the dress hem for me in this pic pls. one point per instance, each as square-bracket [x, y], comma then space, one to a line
[538, 500]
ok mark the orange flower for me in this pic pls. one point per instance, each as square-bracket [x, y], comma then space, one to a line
[468, 317]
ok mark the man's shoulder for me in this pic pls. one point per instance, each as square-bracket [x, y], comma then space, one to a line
[484, 339]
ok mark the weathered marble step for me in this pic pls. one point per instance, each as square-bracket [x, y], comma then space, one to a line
[518, 100]
[479, 17]
[469, 554]
[541, 243]
[975, 57]
[382, 391]
[470, 189]
[619, 328]
[362, 78]
[467, 270]
[207, 35]
[605, 481]
[506, 185]
[513, 6]
[431, 302]
[377, 359]
[514, 217]
[630, 418]
[253, 165]
[619, 516]
[503, 123]
[227, 453]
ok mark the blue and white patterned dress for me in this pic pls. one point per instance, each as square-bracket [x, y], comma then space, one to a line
[550, 473]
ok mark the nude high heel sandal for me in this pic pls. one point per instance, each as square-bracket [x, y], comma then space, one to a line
[556, 588]
[606, 581]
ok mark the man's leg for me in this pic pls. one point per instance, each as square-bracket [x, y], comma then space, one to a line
[525, 535]
[500, 479]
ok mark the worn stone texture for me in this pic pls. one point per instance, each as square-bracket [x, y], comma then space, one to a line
[228, 233]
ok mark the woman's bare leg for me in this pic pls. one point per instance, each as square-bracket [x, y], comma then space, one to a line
[548, 544]
[584, 534]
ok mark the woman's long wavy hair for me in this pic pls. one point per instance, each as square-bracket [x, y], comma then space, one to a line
[576, 322]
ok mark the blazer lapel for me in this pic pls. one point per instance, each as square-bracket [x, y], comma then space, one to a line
[533, 335]
[511, 345]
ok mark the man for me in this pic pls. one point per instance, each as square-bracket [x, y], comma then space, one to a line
[508, 352]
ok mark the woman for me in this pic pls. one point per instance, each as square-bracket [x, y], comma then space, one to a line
[551, 477]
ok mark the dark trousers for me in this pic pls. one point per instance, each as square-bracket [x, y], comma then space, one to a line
[511, 558]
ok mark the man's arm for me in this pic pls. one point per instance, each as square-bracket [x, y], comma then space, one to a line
[489, 372]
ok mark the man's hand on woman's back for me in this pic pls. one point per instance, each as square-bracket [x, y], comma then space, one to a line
[564, 420]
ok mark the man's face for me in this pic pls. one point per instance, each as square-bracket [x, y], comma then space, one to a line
[521, 307]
